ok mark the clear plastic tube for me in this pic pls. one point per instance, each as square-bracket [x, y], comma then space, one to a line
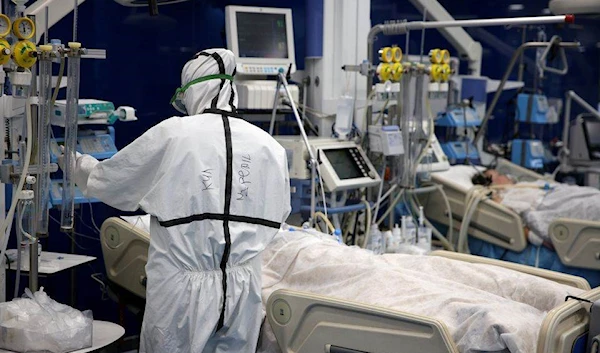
[68, 189]
[42, 191]
[418, 121]
[405, 123]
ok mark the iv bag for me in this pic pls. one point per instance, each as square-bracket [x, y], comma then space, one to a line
[344, 117]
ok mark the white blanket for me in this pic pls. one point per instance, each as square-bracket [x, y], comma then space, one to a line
[540, 207]
[486, 308]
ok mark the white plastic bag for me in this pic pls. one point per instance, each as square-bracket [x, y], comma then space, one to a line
[36, 323]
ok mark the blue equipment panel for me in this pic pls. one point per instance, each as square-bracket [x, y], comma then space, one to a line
[456, 151]
[456, 118]
[56, 194]
[98, 146]
[580, 344]
[528, 153]
[539, 109]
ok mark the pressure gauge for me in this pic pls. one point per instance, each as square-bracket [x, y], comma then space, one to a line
[435, 56]
[4, 26]
[445, 56]
[24, 28]
[386, 55]
[396, 54]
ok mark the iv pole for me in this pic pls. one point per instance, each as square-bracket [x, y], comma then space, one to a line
[282, 81]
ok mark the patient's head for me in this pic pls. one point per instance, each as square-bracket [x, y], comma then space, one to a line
[491, 177]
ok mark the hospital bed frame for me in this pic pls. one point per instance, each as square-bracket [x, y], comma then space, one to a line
[305, 322]
[577, 242]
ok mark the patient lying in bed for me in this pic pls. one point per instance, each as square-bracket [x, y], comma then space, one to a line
[540, 203]
[486, 308]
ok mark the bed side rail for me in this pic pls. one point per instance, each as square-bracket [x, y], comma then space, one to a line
[307, 323]
[125, 252]
[577, 242]
[566, 326]
[491, 222]
[558, 277]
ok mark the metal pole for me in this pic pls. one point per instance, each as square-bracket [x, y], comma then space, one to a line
[313, 160]
[74, 21]
[46, 26]
[491, 22]
[397, 28]
[513, 61]
[522, 57]
[33, 265]
[423, 36]
[274, 113]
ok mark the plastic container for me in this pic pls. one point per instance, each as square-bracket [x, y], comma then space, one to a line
[395, 240]
[376, 241]
[344, 117]
[409, 231]
[337, 234]
[389, 241]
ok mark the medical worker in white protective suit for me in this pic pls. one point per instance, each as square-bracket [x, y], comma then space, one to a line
[217, 188]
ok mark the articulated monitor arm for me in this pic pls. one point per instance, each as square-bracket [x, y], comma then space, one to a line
[467, 47]
[57, 9]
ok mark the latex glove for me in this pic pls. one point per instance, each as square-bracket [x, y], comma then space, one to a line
[61, 158]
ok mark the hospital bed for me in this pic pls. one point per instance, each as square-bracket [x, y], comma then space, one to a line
[304, 322]
[577, 243]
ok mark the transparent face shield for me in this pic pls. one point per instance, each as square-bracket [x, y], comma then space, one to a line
[177, 99]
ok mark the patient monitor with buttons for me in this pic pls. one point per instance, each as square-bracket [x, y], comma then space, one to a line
[262, 40]
[343, 165]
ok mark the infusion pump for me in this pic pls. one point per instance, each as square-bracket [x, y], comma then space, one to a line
[343, 164]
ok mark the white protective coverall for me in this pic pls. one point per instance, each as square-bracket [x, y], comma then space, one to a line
[217, 188]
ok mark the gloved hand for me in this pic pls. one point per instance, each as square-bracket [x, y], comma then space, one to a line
[61, 158]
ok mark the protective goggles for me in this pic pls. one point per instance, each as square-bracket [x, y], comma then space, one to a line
[177, 99]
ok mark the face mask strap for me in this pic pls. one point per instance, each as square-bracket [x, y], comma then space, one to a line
[198, 80]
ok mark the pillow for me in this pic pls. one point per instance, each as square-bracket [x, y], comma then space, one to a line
[461, 175]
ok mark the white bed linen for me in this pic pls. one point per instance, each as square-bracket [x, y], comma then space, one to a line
[461, 175]
[486, 308]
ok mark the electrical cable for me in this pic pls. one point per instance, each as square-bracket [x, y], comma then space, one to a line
[75, 233]
[92, 216]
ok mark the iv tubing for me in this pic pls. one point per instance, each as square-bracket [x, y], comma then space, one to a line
[368, 221]
[7, 224]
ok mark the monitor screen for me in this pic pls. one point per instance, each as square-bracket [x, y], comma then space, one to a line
[592, 129]
[262, 35]
[343, 163]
